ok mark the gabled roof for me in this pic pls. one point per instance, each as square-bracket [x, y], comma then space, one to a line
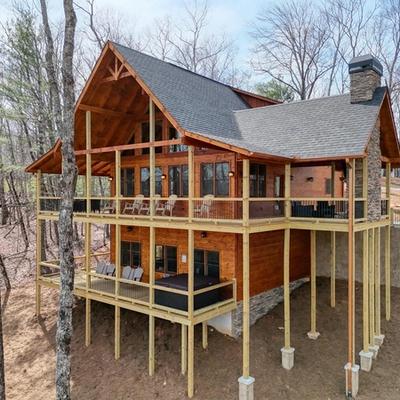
[198, 104]
[312, 129]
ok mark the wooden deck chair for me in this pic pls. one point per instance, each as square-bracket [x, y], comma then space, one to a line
[110, 270]
[146, 206]
[169, 205]
[133, 206]
[109, 207]
[101, 268]
[127, 272]
[137, 274]
[203, 210]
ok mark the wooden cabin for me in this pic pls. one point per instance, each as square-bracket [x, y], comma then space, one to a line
[215, 196]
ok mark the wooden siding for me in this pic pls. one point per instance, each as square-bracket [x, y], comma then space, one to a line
[266, 259]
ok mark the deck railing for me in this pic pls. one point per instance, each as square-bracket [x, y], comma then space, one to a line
[206, 209]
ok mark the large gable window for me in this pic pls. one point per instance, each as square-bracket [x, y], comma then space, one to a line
[145, 181]
[175, 148]
[146, 135]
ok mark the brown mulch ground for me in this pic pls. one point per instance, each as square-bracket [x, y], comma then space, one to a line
[318, 371]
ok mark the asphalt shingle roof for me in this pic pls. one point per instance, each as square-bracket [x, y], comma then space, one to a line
[317, 128]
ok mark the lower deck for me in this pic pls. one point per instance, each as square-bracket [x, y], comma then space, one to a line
[135, 296]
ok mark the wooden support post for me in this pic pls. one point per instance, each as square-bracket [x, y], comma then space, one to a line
[117, 332]
[387, 247]
[184, 353]
[333, 269]
[371, 287]
[191, 360]
[88, 324]
[350, 368]
[190, 313]
[191, 181]
[152, 263]
[151, 345]
[365, 185]
[88, 191]
[287, 351]
[286, 288]
[88, 245]
[313, 334]
[333, 168]
[387, 273]
[365, 291]
[377, 284]
[204, 335]
[39, 244]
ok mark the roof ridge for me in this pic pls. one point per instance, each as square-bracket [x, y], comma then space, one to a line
[295, 102]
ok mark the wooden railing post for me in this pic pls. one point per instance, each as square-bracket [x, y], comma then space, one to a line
[152, 157]
[117, 182]
[287, 191]
[387, 246]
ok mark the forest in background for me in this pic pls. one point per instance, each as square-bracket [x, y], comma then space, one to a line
[299, 50]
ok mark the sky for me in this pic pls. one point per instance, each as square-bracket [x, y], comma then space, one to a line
[233, 17]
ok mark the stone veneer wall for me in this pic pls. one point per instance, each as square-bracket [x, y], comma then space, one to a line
[260, 305]
[374, 174]
[363, 85]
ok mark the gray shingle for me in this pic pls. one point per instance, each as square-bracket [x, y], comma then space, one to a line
[317, 128]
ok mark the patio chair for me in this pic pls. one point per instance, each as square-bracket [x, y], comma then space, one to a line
[135, 205]
[101, 268]
[127, 272]
[146, 206]
[110, 270]
[203, 210]
[168, 206]
[109, 207]
[137, 273]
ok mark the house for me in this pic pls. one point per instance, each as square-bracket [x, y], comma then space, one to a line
[216, 196]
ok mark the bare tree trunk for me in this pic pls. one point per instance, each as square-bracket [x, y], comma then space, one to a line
[4, 274]
[18, 209]
[67, 185]
[3, 203]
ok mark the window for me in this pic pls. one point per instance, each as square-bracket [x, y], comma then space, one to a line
[146, 135]
[127, 181]
[178, 180]
[166, 259]
[175, 148]
[145, 181]
[206, 263]
[257, 180]
[130, 254]
[328, 186]
[215, 179]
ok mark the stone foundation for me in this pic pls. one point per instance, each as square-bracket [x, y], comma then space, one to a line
[231, 323]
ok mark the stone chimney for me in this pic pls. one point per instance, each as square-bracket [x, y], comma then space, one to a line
[365, 76]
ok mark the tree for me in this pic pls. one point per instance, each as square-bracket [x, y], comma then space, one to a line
[186, 43]
[275, 90]
[67, 184]
[291, 46]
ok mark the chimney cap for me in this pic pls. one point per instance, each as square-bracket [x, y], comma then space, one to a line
[364, 63]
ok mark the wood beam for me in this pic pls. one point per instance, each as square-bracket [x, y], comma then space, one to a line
[151, 345]
[117, 343]
[378, 282]
[190, 360]
[204, 335]
[105, 111]
[387, 247]
[286, 287]
[365, 291]
[88, 325]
